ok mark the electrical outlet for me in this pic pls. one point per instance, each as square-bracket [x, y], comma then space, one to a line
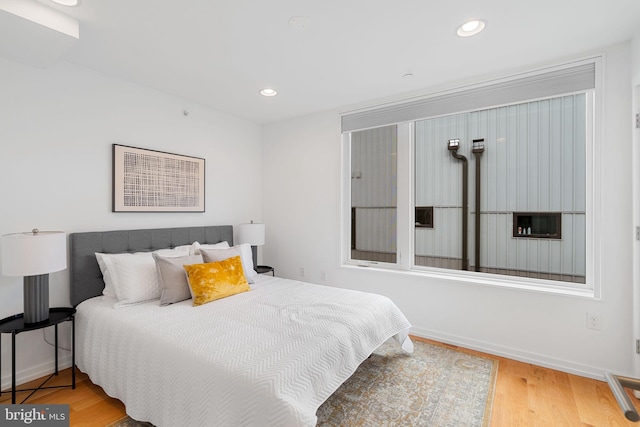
[593, 321]
[323, 275]
[301, 271]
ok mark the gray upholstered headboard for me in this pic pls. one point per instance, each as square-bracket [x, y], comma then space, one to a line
[85, 275]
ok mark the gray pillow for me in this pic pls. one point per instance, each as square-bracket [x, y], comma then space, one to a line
[243, 251]
[172, 277]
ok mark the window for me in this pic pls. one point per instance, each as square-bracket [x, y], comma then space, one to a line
[538, 225]
[373, 194]
[533, 160]
[509, 192]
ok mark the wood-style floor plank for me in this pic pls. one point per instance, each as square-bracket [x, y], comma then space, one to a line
[525, 396]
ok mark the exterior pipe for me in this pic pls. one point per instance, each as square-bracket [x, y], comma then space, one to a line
[465, 207]
[477, 218]
[478, 149]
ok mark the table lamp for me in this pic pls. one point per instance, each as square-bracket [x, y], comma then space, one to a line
[252, 234]
[34, 255]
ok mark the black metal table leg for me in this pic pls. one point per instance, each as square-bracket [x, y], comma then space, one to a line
[56, 347]
[73, 353]
[13, 368]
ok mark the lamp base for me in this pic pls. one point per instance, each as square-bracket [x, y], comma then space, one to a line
[254, 255]
[36, 298]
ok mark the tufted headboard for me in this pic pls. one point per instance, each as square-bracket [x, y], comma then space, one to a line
[85, 275]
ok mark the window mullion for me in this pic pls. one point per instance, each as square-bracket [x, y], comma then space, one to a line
[405, 196]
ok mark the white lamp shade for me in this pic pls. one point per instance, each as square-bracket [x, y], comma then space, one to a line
[252, 234]
[32, 254]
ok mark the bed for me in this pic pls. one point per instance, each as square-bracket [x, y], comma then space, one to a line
[267, 357]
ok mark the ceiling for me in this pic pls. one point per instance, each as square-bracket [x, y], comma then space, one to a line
[221, 53]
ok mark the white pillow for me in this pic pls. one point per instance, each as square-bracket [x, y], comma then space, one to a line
[104, 261]
[183, 250]
[247, 259]
[196, 246]
[132, 277]
[243, 250]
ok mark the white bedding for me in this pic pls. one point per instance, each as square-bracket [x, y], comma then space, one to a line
[267, 357]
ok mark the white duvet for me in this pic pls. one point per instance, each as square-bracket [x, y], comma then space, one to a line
[267, 357]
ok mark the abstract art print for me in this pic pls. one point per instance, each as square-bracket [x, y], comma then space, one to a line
[155, 181]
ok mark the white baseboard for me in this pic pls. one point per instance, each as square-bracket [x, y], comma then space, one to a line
[34, 372]
[512, 353]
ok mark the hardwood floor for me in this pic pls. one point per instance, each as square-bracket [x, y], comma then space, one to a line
[525, 395]
[530, 395]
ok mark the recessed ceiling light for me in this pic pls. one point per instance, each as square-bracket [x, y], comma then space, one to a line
[471, 28]
[268, 92]
[66, 2]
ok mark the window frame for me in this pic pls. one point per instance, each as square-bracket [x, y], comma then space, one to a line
[406, 207]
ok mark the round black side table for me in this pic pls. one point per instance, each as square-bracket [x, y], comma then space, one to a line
[261, 269]
[15, 324]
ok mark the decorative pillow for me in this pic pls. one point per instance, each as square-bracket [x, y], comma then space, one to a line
[196, 246]
[214, 280]
[172, 277]
[243, 250]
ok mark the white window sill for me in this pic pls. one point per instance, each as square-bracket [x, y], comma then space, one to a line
[484, 279]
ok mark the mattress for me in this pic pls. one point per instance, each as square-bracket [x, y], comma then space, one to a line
[267, 357]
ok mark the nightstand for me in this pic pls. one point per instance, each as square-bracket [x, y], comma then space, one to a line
[15, 324]
[262, 269]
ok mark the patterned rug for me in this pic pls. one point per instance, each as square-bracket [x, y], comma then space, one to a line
[435, 386]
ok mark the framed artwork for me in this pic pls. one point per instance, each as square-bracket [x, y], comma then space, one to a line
[155, 181]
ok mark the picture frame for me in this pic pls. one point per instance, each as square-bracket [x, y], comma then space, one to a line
[156, 181]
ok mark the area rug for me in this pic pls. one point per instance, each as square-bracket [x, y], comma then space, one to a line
[434, 386]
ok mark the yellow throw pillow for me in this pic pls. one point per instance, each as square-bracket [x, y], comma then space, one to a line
[214, 280]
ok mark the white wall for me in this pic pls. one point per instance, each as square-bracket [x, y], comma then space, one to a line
[56, 130]
[635, 72]
[302, 173]
[635, 55]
